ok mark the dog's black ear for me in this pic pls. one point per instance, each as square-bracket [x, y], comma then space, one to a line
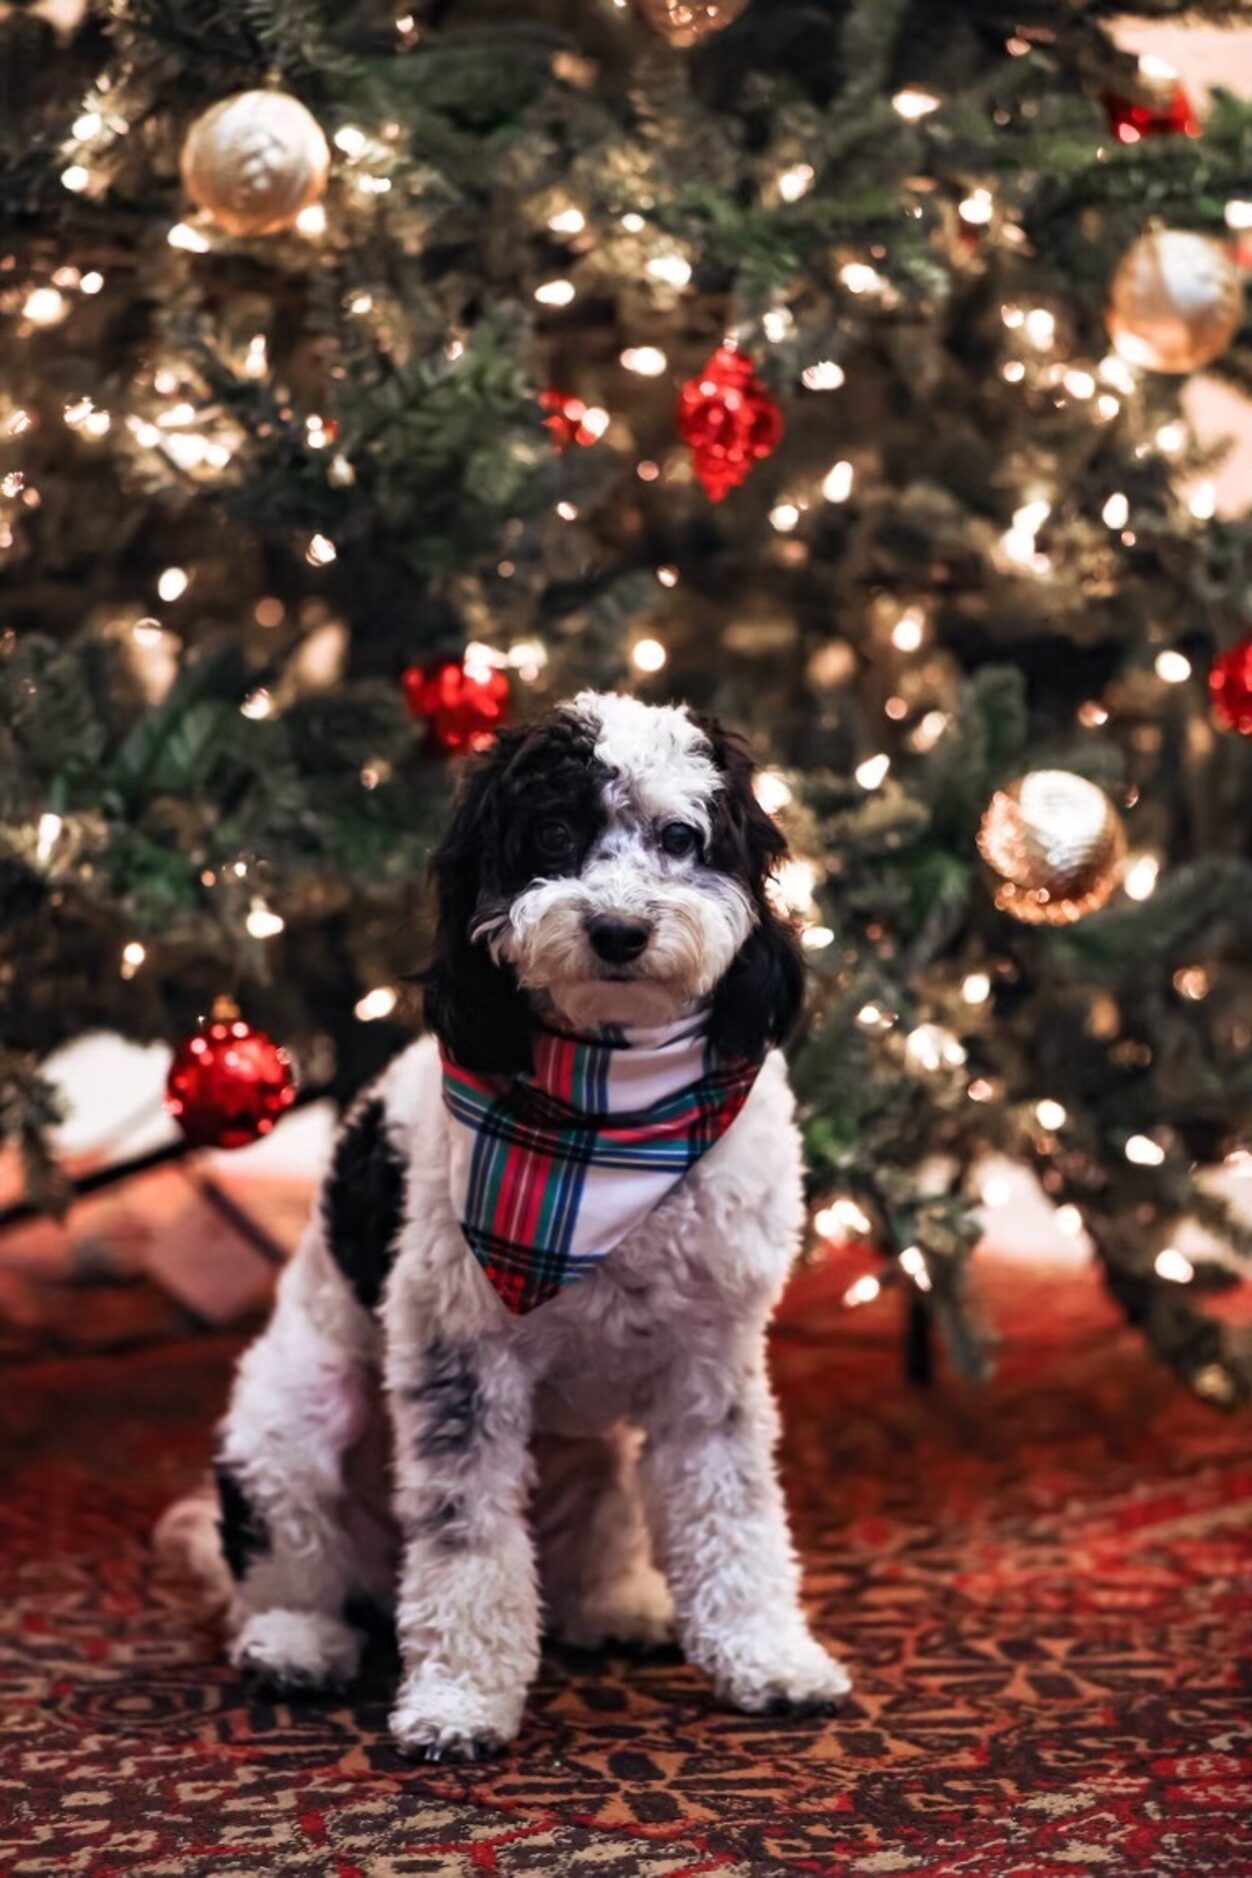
[473, 1005]
[759, 1001]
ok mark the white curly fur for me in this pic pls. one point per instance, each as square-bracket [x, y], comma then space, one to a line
[616, 1475]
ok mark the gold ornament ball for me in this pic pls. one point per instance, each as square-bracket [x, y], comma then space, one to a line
[1056, 845]
[687, 22]
[1176, 301]
[254, 161]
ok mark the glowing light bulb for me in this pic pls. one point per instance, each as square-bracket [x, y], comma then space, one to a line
[44, 306]
[1052, 1115]
[784, 517]
[567, 222]
[977, 208]
[872, 773]
[320, 552]
[173, 583]
[671, 269]
[1143, 1151]
[771, 790]
[862, 1290]
[648, 655]
[860, 277]
[189, 239]
[912, 103]
[50, 826]
[826, 375]
[976, 988]
[555, 293]
[1239, 214]
[1116, 511]
[380, 1002]
[796, 182]
[837, 482]
[349, 140]
[841, 1217]
[1175, 1265]
[647, 361]
[1173, 667]
[908, 631]
[1141, 876]
[311, 220]
[75, 178]
[262, 922]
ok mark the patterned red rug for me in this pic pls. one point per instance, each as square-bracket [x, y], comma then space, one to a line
[1042, 1588]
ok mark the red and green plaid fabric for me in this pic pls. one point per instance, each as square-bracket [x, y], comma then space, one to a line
[551, 1170]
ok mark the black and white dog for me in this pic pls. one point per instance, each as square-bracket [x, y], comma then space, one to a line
[543, 1262]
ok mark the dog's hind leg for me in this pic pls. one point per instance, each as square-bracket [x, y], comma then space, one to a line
[299, 1402]
[599, 1583]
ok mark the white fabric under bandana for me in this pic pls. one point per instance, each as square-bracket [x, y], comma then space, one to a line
[550, 1170]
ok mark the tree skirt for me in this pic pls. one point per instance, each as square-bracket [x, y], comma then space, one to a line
[1041, 1587]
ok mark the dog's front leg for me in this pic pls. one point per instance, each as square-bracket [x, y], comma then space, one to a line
[720, 1527]
[468, 1613]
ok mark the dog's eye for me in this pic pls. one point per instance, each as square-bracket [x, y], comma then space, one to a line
[680, 839]
[554, 838]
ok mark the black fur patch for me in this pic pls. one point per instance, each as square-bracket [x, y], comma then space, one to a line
[444, 1523]
[490, 855]
[363, 1202]
[244, 1534]
[451, 1400]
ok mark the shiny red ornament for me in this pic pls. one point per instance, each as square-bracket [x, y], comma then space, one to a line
[729, 420]
[1230, 688]
[1171, 114]
[228, 1085]
[463, 705]
[566, 413]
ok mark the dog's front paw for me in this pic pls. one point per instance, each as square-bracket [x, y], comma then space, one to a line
[435, 1719]
[789, 1675]
[635, 1609]
[297, 1652]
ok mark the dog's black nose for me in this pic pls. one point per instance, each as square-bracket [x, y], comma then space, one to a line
[615, 940]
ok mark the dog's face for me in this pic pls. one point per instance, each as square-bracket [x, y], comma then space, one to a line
[609, 866]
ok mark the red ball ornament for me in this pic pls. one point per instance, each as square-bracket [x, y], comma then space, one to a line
[1168, 113]
[229, 1084]
[565, 418]
[462, 704]
[729, 420]
[1230, 687]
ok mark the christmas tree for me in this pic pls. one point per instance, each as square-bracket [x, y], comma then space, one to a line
[368, 380]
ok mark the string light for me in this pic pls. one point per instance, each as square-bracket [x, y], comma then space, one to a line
[173, 583]
[1116, 511]
[872, 773]
[1079, 384]
[908, 631]
[1173, 667]
[75, 178]
[189, 239]
[841, 1217]
[50, 826]
[647, 361]
[1069, 1221]
[1143, 1151]
[44, 306]
[1239, 214]
[796, 182]
[794, 884]
[863, 1290]
[262, 922]
[912, 103]
[771, 790]
[311, 221]
[860, 277]
[1174, 1265]
[133, 956]
[648, 655]
[671, 269]
[1141, 877]
[1012, 371]
[826, 375]
[784, 517]
[931, 1047]
[837, 482]
[320, 551]
[1052, 1115]
[977, 208]
[380, 1002]
[1018, 542]
[258, 704]
[1202, 501]
[350, 140]
[1039, 326]
[816, 938]
[555, 293]
[777, 323]
[567, 222]
[976, 987]
[913, 1261]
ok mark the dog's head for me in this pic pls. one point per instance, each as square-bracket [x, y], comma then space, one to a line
[609, 865]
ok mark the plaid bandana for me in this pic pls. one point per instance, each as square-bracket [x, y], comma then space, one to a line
[552, 1169]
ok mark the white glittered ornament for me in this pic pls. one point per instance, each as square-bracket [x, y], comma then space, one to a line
[254, 161]
[1176, 301]
[1056, 844]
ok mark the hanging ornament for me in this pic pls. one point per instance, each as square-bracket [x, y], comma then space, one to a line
[565, 415]
[1160, 107]
[687, 22]
[1176, 301]
[462, 703]
[1230, 688]
[729, 420]
[1056, 844]
[228, 1085]
[254, 160]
